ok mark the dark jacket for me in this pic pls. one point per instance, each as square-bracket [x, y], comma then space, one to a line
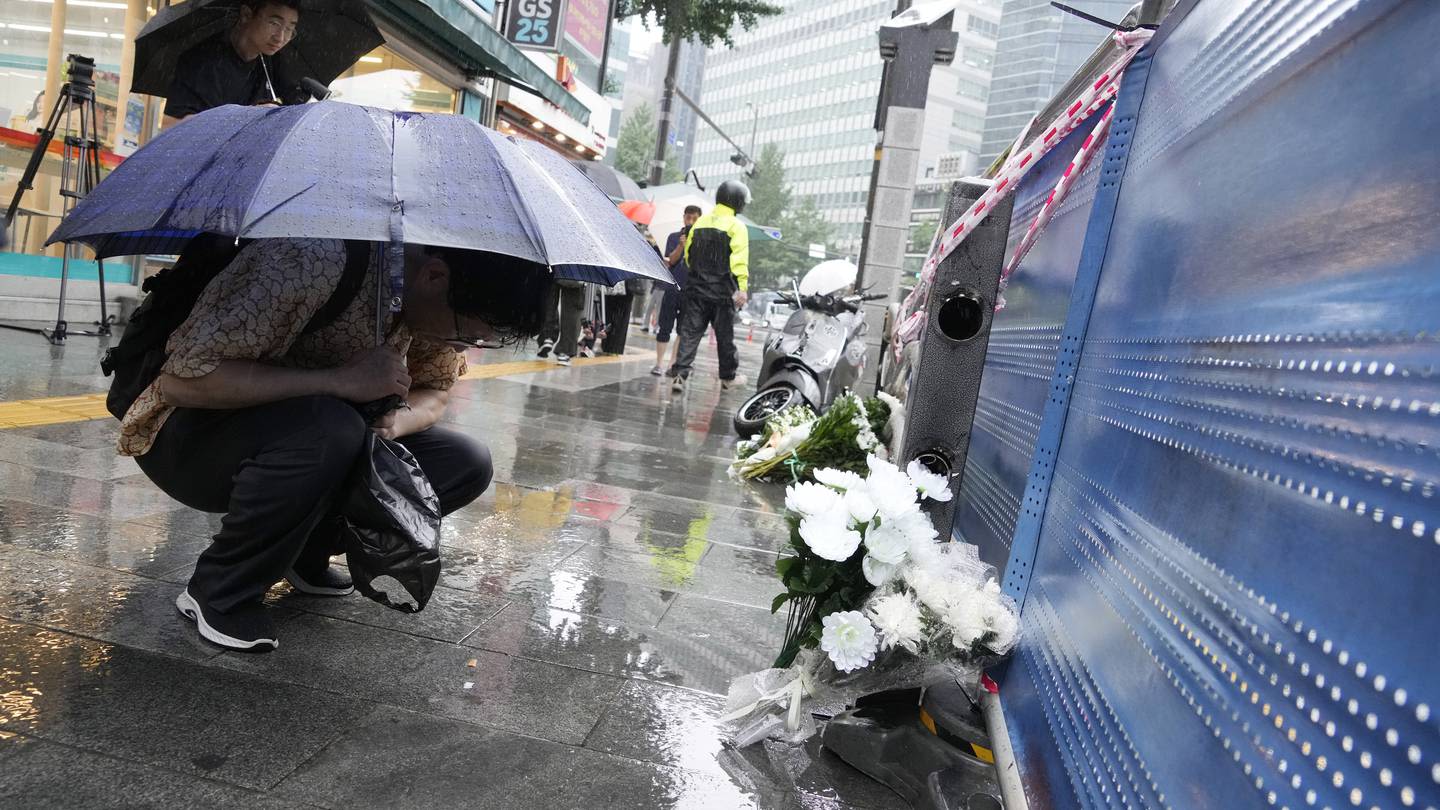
[718, 254]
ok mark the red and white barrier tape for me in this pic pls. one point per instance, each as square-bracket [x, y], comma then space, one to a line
[912, 315]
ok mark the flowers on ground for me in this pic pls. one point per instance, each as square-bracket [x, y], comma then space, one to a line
[896, 617]
[849, 640]
[865, 551]
[795, 443]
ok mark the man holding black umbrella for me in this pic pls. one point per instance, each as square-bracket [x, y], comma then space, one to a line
[235, 66]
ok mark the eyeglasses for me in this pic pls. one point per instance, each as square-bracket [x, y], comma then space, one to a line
[279, 26]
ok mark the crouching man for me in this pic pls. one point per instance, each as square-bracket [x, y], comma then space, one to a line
[253, 414]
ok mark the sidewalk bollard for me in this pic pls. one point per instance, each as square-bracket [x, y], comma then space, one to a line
[750, 338]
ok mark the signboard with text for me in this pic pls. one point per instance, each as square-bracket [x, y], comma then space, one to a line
[585, 25]
[535, 24]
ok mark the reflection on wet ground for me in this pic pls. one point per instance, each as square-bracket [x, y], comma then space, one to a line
[593, 606]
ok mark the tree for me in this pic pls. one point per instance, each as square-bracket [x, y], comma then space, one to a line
[801, 225]
[632, 148]
[708, 21]
[769, 196]
[637, 136]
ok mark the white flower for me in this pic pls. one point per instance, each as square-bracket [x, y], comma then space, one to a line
[830, 536]
[897, 618]
[809, 499]
[930, 485]
[891, 489]
[860, 505]
[887, 543]
[849, 640]
[917, 528]
[967, 617]
[839, 479]
[877, 573]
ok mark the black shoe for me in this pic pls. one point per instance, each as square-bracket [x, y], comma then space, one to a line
[248, 629]
[545, 348]
[331, 581]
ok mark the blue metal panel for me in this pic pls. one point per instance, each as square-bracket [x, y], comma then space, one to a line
[1023, 344]
[1231, 603]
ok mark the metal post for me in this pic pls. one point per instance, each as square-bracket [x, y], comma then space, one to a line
[667, 104]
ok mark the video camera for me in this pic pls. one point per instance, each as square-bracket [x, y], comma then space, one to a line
[81, 70]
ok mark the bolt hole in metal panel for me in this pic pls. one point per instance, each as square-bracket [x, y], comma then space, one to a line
[1233, 603]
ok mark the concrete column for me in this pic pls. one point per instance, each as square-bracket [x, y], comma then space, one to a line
[134, 20]
[43, 195]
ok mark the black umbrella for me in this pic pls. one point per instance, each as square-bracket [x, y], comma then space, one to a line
[332, 36]
[616, 185]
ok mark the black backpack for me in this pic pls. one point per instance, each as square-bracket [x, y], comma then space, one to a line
[136, 360]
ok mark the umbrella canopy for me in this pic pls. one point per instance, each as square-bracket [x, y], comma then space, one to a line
[616, 185]
[828, 277]
[638, 211]
[342, 171]
[331, 36]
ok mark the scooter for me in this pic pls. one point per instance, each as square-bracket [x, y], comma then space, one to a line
[818, 355]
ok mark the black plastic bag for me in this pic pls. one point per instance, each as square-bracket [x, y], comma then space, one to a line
[392, 524]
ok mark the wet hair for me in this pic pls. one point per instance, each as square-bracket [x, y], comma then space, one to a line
[507, 293]
[256, 6]
[693, 209]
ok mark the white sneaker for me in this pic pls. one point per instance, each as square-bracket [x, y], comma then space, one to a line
[740, 379]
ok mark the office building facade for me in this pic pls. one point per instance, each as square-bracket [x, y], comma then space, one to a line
[808, 80]
[1039, 48]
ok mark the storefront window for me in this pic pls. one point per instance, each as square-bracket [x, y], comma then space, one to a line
[383, 79]
[92, 28]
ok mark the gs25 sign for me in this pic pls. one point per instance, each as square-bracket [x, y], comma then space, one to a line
[535, 24]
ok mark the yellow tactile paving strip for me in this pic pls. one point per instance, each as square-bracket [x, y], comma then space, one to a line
[55, 410]
[31, 412]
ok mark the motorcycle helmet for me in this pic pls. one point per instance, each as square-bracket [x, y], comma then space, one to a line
[734, 194]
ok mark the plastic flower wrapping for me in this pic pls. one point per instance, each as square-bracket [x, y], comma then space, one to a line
[876, 601]
[795, 443]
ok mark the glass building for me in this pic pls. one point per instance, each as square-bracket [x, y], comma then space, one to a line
[808, 79]
[1038, 50]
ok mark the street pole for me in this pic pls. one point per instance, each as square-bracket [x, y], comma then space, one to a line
[605, 51]
[667, 104]
[910, 50]
[754, 125]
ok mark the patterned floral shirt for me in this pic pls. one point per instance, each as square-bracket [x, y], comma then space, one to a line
[256, 308]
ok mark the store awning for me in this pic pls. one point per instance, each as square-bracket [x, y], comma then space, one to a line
[455, 28]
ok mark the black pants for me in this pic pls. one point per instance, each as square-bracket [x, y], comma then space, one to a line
[274, 471]
[696, 314]
[564, 310]
[617, 332]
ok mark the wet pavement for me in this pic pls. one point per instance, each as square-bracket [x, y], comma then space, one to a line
[592, 609]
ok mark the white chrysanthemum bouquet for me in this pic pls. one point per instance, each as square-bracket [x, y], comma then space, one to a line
[795, 442]
[872, 586]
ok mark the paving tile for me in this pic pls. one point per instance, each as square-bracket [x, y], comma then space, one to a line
[160, 710]
[136, 547]
[419, 761]
[96, 603]
[93, 434]
[99, 464]
[740, 638]
[528, 697]
[450, 615]
[571, 639]
[47, 775]
[109, 500]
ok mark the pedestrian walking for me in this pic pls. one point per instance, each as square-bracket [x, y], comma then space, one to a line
[717, 252]
[564, 311]
[669, 302]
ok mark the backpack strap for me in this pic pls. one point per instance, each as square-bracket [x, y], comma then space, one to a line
[357, 262]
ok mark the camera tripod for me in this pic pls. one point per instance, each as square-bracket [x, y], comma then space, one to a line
[79, 174]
